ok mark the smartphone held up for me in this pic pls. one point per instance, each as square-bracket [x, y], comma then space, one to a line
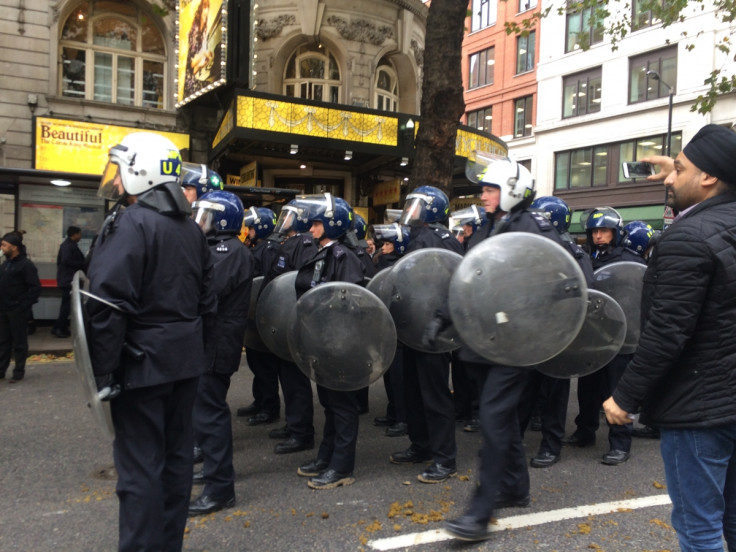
[637, 169]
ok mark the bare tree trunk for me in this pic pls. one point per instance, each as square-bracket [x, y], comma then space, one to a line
[442, 95]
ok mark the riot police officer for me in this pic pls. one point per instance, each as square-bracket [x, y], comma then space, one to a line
[604, 230]
[198, 179]
[503, 474]
[296, 249]
[331, 220]
[152, 263]
[430, 411]
[220, 215]
[266, 405]
[550, 395]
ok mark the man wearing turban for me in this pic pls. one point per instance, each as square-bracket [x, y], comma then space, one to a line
[682, 377]
[19, 290]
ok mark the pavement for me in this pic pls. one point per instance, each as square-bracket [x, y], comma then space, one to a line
[42, 341]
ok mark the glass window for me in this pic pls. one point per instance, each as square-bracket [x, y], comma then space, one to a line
[481, 119]
[525, 5]
[651, 75]
[523, 117]
[483, 14]
[581, 93]
[642, 18]
[125, 50]
[525, 52]
[482, 66]
[601, 165]
[387, 88]
[581, 32]
[312, 73]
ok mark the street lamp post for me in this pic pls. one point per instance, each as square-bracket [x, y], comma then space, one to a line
[669, 213]
[668, 143]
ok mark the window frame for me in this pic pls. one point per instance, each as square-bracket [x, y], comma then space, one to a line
[593, 33]
[648, 14]
[483, 59]
[388, 96]
[664, 62]
[588, 78]
[92, 79]
[300, 84]
[526, 5]
[482, 114]
[525, 61]
[480, 20]
[528, 110]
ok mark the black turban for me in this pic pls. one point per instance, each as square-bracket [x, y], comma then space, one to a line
[713, 151]
[13, 239]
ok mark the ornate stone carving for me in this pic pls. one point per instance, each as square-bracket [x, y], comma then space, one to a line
[269, 29]
[361, 30]
[418, 53]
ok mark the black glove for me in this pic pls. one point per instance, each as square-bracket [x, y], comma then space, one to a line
[107, 389]
[433, 328]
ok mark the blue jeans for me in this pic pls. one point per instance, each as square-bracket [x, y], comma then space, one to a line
[700, 465]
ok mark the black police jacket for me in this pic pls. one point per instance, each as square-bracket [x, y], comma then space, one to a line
[69, 259]
[433, 235]
[264, 253]
[293, 253]
[682, 374]
[232, 280]
[158, 270]
[615, 254]
[333, 263]
[19, 284]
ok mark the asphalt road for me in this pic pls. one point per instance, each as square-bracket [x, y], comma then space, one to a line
[57, 488]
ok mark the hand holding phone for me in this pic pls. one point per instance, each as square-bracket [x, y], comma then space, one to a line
[637, 169]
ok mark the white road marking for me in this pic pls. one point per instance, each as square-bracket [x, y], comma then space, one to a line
[527, 520]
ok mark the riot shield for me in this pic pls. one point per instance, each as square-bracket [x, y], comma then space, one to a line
[381, 285]
[100, 409]
[598, 341]
[252, 339]
[341, 336]
[624, 282]
[272, 313]
[518, 299]
[417, 289]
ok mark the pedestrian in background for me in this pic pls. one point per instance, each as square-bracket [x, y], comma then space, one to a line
[69, 259]
[19, 290]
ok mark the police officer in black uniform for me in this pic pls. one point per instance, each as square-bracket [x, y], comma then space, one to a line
[151, 262]
[69, 259]
[266, 405]
[330, 217]
[430, 410]
[547, 395]
[394, 241]
[604, 230]
[297, 248]
[220, 215]
[504, 476]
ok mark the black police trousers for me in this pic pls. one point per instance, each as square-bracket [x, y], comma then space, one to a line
[153, 458]
[340, 434]
[265, 368]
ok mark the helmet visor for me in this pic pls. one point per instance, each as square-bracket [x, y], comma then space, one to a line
[387, 232]
[204, 214]
[287, 219]
[468, 215]
[111, 185]
[251, 218]
[478, 163]
[392, 215]
[415, 210]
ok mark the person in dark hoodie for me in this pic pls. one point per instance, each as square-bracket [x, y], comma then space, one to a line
[69, 260]
[19, 290]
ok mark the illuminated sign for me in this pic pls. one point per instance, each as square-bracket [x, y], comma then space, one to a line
[81, 147]
[249, 174]
[387, 192]
[202, 57]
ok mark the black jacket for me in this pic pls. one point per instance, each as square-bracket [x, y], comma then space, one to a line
[158, 270]
[19, 284]
[232, 281]
[333, 263]
[434, 235]
[683, 372]
[69, 259]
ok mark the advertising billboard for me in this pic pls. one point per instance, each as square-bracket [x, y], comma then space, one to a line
[201, 63]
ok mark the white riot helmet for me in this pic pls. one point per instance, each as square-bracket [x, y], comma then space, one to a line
[141, 162]
[513, 179]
